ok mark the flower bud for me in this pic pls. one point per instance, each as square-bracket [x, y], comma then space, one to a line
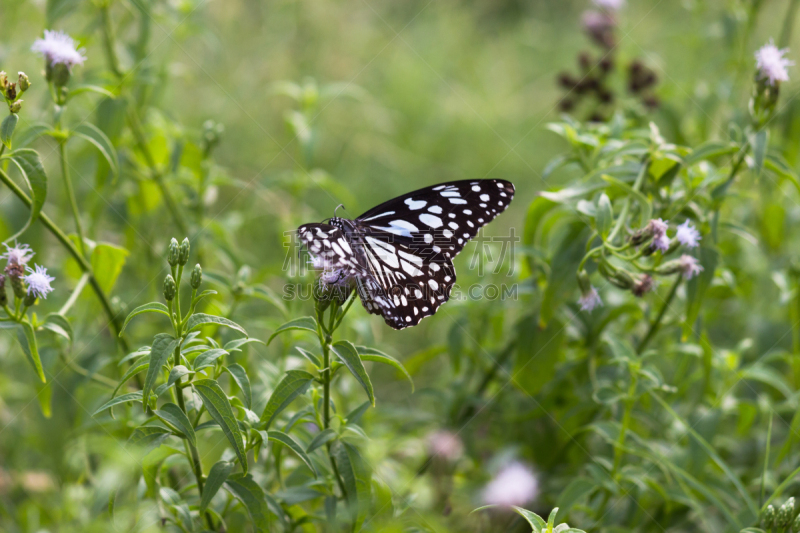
[768, 517]
[183, 252]
[173, 253]
[321, 293]
[197, 277]
[796, 524]
[15, 273]
[3, 80]
[643, 285]
[58, 74]
[3, 297]
[15, 106]
[24, 83]
[169, 288]
[584, 282]
[11, 91]
[622, 279]
[30, 299]
[785, 514]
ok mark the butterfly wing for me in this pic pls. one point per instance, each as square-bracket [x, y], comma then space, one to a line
[329, 246]
[403, 285]
[441, 218]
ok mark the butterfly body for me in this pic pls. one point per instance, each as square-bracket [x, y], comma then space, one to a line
[400, 253]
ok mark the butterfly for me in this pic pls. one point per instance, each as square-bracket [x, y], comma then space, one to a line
[401, 253]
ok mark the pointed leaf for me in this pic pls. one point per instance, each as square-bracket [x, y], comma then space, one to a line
[27, 339]
[216, 477]
[312, 358]
[32, 170]
[235, 344]
[177, 373]
[208, 358]
[252, 497]
[7, 129]
[323, 437]
[305, 323]
[289, 442]
[239, 375]
[59, 325]
[220, 409]
[107, 262]
[94, 135]
[151, 465]
[199, 319]
[293, 384]
[376, 356]
[152, 307]
[130, 397]
[348, 354]
[160, 352]
[149, 436]
[132, 371]
[172, 415]
[356, 481]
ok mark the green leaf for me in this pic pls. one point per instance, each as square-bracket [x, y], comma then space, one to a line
[216, 477]
[293, 384]
[27, 339]
[235, 344]
[177, 372]
[644, 204]
[149, 436]
[199, 319]
[265, 293]
[312, 358]
[59, 325]
[356, 481]
[7, 129]
[252, 497]
[172, 415]
[604, 215]
[92, 133]
[163, 347]
[348, 354]
[32, 170]
[107, 262]
[305, 323]
[151, 465]
[208, 358]
[152, 307]
[239, 375]
[551, 520]
[220, 409]
[292, 444]
[132, 371]
[323, 437]
[30, 134]
[80, 89]
[130, 397]
[709, 150]
[376, 356]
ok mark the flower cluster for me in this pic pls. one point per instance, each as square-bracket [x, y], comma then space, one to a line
[652, 238]
[27, 283]
[60, 53]
[771, 65]
[13, 90]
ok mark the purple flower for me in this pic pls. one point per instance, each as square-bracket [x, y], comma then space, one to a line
[771, 64]
[689, 266]
[661, 243]
[446, 445]
[609, 5]
[20, 254]
[58, 48]
[39, 282]
[590, 300]
[687, 235]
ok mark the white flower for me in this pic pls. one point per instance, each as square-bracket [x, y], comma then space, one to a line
[771, 64]
[610, 5]
[590, 300]
[689, 266]
[20, 254]
[687, 235]
[515, 485]
[661, 243]
[58, 47]
[446, 445]
[39, 282]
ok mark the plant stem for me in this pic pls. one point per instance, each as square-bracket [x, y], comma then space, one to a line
[656, 324]
[627, 204]
[73, 251]
[78, 369]
[62, 149]
[109, 39]
[76, 292]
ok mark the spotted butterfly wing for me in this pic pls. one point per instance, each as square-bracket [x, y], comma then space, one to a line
[400, 253]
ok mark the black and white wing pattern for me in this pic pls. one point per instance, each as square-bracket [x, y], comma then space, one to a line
[400, 253]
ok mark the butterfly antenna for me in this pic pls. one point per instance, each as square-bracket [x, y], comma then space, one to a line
[337, 207]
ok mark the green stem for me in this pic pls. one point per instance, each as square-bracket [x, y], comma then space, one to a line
[78, 369]
[109, 39]
[73, 203]
[85, 266]
[141, 144]
[627, 204]
[76, 292]
[656, 324]
[788, 24]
